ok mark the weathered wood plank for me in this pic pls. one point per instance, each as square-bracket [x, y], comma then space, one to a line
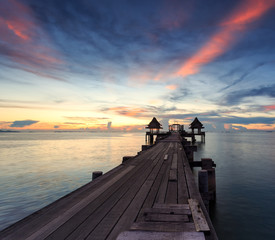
[173, 175]
[175, 161]
[172, 192]
[169, 210]
[160, 198]
[182, 186]
[149, 235]
[164, 226]
[160, 217]
[172, 206]
[198, 216]
[148, 203]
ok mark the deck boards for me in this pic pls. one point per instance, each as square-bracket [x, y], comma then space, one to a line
[149, 194]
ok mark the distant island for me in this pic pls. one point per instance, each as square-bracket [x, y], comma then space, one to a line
[8, 131]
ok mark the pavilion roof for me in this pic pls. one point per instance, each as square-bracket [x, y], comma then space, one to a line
[196, 124]
[154, 124]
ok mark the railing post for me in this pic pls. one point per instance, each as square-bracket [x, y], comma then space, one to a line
[96, 174]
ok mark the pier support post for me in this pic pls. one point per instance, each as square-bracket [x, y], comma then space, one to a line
[203, 187]
[151, 139]
[189, 150]
[126, 158]
[96, 174]
[144, 147]
[207, 164]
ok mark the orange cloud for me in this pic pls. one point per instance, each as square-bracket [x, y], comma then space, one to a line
[258, 126]
[18, 28]
[17, 21]
[227, 126]
[247, 12]
[269, 108]
[129, 112]
[172, 87]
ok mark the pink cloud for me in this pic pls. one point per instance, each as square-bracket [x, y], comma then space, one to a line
[247, 12]
[21, 35]
[269, 108]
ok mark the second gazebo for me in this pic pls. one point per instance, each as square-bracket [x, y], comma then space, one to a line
[196, 124]
[154, 126]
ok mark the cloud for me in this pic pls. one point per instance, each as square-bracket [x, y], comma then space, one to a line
[269, 108]
[56, 126]
[128, 111]
[239, 128]
[243, 76]
[174, 13]
[235, 98]
[20, 124]
[23, 40]
[86, 119]
[231, 28]
[172, 87]
[146, 111]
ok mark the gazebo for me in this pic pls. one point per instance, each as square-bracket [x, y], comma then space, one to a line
[196, 124]
[154, 126]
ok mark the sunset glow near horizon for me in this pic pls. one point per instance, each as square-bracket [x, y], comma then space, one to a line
[98, 65]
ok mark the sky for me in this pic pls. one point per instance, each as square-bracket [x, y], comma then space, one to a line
[104, 64]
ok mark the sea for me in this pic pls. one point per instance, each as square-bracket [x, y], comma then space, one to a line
[40, 167]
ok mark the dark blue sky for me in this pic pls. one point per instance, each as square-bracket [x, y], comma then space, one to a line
[94, 62]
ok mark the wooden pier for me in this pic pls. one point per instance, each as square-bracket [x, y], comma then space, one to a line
[149, 196]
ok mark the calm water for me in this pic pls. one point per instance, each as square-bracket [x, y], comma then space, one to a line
[245, 178]
[37, 168]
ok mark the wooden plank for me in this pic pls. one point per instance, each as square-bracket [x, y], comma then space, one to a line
[175, 161]
[145, 235]
[198, 216]
[164, 226]
[160, 198]
[172, 206]
[172, 192]
[148, 203]
[182, 186]
[160, 217]
[173, 175]
[168, 210]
